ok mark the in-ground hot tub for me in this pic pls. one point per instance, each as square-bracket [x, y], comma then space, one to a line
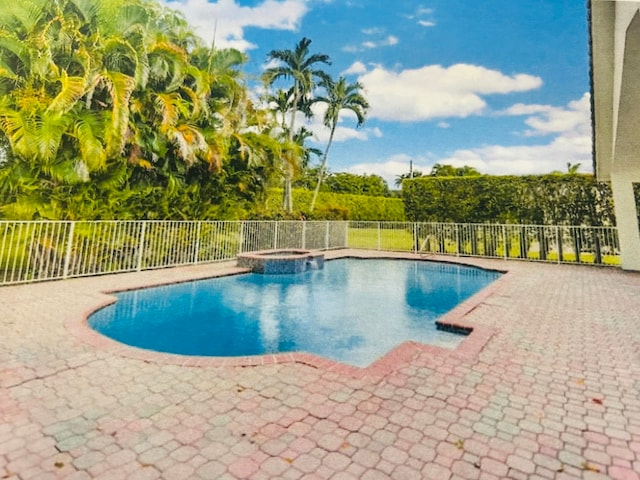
[275, 262]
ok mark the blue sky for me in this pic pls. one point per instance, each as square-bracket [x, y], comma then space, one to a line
[500, 85]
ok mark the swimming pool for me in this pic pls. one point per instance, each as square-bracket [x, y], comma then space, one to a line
[352, 311]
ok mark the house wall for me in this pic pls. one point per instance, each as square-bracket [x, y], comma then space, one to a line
[615, 37]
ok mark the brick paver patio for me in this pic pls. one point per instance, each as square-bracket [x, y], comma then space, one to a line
[547, 387]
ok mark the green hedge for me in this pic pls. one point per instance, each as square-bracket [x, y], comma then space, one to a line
[555, 199]
[333, 206]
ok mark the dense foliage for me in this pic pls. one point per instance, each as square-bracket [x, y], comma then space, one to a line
[343, 182]
[333, 206]
[554, 199]
[113, 108]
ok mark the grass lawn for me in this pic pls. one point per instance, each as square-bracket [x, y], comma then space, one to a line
[400, 239]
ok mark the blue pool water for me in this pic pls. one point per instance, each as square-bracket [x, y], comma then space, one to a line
[352, 311]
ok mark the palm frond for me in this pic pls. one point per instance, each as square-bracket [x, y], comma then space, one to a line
[167, 106]
[72, 89]
[120, 88]
[86, 130]
[20, 131]
[50, 129]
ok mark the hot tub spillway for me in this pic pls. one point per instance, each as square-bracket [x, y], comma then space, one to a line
[274, 262]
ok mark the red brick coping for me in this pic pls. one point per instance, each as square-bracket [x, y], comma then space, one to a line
[470, 347]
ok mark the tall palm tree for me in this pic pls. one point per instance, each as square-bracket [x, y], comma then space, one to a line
[300, 66]
[279, 103]
[404, 176]
[339, 96]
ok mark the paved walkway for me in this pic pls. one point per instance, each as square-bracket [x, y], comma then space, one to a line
[551, 390]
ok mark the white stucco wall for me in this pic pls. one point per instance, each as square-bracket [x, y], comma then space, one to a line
[615, 29]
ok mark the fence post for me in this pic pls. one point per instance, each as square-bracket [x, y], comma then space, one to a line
[379, 239]
[67, 255]
[275, 235]
[346, 233]
[595, 232]
[415, 247]
[457, 227]
[505, 246]
[141, 246]
[326, 235]
[241, 236]
[304, 235]
[559, 243]
[196, 253]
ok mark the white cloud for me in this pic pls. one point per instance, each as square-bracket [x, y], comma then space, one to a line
[522, 160]
[524, 109]
[227, 20]
[373, 31]
[434, 91]
[389, 41]
[355, 69]
[392, 167]
[549, 120]
[572, 142]
[343, 132]
[423, 12]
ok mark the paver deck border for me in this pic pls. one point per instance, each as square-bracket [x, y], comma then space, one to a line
[472, 344]
[553, 393]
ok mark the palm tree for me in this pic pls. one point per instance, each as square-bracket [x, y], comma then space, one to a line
[443, 170]
[118, 98]
[407, 176]
[340, 96]
[573, 168]
[300, 66]
[279, 103]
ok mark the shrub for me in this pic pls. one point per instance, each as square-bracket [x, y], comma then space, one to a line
[332, 206]
[557, 199]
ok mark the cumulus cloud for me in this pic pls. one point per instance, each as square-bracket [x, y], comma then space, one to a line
[546, 119]
[392, 167]
[345, 131]
[434, 91]
[388, 41]
[569, 128]
[373, 31]
[355, 69]
[420, 13]
[521, 160]
[226, 19]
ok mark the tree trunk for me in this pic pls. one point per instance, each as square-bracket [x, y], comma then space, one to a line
[323, 167]
[287, 201]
